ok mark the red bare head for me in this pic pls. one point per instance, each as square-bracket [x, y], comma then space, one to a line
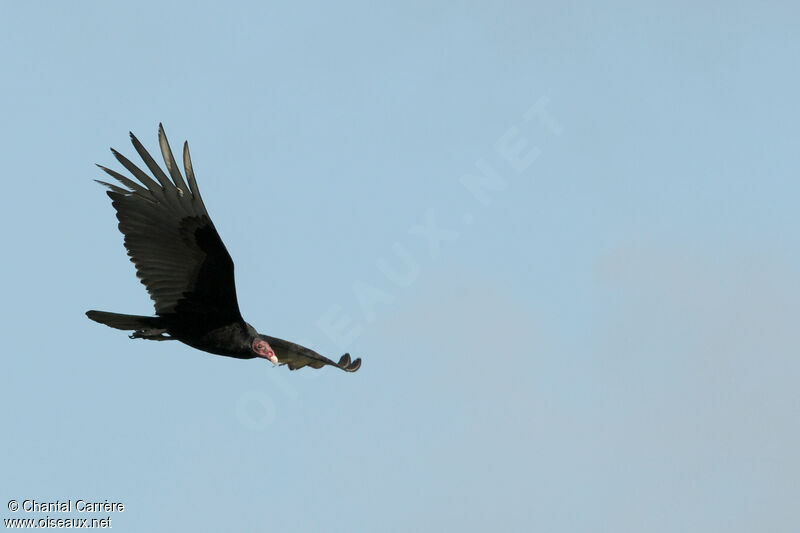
[262, 349]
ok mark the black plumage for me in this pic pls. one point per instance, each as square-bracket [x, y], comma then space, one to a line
[182, 261]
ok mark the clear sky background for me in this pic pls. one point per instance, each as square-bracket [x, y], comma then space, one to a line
[603, 336]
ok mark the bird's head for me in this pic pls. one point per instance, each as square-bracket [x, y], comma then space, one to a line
[262, 348]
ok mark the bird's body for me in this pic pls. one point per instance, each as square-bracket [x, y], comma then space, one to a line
[183, 263]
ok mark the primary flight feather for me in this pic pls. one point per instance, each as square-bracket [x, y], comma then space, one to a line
[184, 265]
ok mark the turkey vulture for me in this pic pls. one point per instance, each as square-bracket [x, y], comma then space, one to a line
[184, 265]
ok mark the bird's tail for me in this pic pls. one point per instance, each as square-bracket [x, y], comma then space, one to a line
[144, 327]
[120, 321]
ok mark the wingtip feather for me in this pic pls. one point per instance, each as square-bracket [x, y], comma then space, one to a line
[347, 365]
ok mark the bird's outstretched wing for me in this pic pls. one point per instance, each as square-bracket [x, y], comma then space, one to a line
[178, 254]
[296, 356]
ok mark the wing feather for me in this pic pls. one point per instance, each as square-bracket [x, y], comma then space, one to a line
[296, 356]
[170, 238]
[187, 164]
[138, 173]
[169, 160]
[150, 162]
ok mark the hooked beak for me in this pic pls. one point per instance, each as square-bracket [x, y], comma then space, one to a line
[263, 349]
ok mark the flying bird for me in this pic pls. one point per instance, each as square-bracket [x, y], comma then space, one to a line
[182, 261]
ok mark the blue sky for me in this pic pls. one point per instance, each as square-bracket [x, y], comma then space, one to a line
[601, 337]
